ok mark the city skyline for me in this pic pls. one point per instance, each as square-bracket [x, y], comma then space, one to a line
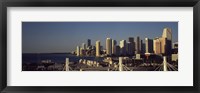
[51, 37]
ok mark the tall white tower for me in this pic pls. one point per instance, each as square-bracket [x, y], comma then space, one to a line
[97, 48]
[108, 46]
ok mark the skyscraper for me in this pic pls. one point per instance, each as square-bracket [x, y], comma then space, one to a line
[167, 41]
[78, 51]
[98, 47]
[117, 48]
[138, 45]
[149, 45]
[131, 40]
[157, 46]
[123, 47]
[83, 46]
[88, 43]
[114, 42]
[142, 47]
[108, 46]
[167, 33]
[163, 44]
[129, 48]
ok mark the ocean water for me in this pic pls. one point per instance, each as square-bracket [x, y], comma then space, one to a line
[54, 57]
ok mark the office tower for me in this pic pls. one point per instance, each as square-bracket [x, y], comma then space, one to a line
[149, 45]
[117, 48]
[114, 42]
[167, 33]
[157, 46]
[163, 44]
[108, 46]
[83, 46]
[167, 41]
[78, 51]
[142, 47]
[88, 43]
[123, 47]
[131, 40]
[98, 48]
[138, 45]
[129, 48]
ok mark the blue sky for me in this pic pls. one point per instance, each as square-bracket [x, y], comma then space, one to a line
[51, 37]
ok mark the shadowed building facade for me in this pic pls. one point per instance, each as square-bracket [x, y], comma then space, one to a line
[148, 45]
[132, 50]
[117, 48]
[142, 47]
[138, 45]
[129, 48]
[89, 44]
[114, 43]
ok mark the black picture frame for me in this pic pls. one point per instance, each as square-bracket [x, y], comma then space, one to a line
[98, 3]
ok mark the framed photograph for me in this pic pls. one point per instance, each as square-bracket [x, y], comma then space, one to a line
[99, 46]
